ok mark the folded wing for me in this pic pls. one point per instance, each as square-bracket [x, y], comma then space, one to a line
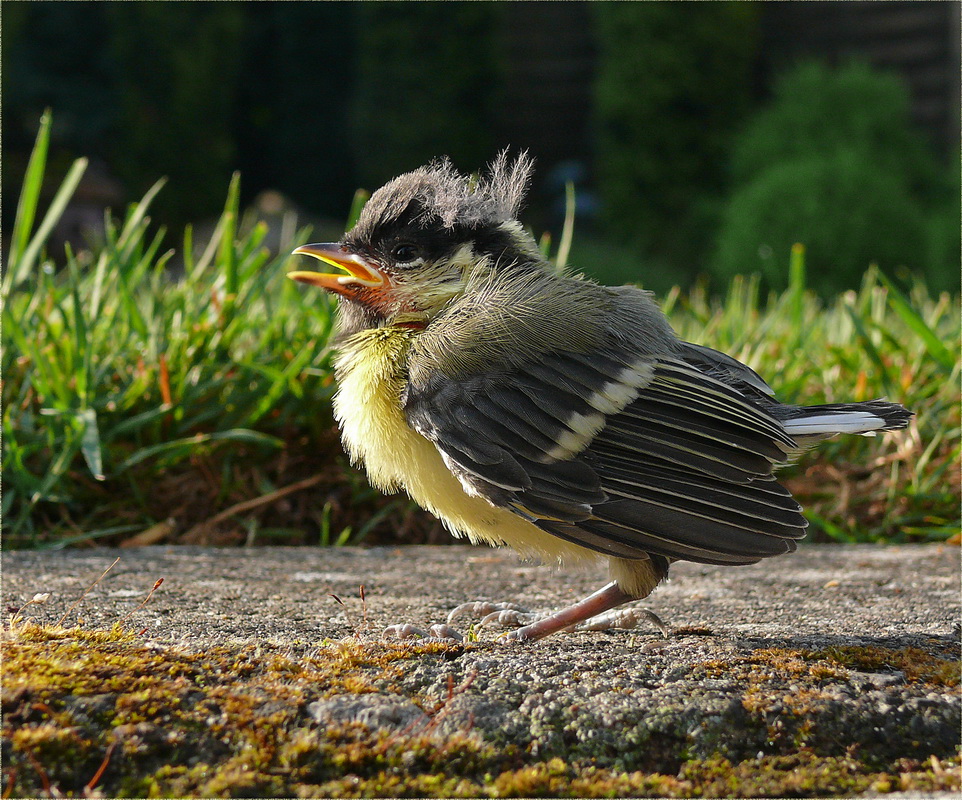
[622, 455]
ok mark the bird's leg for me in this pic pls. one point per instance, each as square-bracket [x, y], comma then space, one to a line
[606, 599]
[597, 612]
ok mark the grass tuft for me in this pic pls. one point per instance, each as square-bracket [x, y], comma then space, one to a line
[901, 486]
[187, 394]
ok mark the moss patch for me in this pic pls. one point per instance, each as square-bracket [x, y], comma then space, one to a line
[770, 662]
[166, 716]
[915, 663]
[105, 711]
[806, 700]
[816, 666]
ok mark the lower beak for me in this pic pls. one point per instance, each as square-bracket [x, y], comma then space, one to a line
[359, 271]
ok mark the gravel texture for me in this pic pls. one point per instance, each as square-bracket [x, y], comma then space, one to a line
[817, 597]
[837, 649]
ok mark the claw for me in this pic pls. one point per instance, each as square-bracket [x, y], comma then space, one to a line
[404, 631]
[445, 632]
[436, 633]
[624, 619]
[481, 608]
[508, 618]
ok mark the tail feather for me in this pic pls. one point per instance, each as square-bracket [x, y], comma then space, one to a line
[826, 420]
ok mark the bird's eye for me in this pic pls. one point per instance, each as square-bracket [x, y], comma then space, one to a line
[405, 253]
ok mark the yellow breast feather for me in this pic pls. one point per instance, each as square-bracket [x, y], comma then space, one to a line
[372, 372]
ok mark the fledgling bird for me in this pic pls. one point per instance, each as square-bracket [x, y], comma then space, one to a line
[544, 411]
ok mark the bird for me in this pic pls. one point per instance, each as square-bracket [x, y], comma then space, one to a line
[532, 407]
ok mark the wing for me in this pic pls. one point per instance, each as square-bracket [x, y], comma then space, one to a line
[622, 455]
[728, 370]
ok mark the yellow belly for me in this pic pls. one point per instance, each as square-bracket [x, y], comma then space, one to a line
[371, 375]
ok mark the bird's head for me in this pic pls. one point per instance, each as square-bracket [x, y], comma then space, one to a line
[422, 239]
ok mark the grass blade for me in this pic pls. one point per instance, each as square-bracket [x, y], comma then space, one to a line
[133, 424]
[191, 443]
[796, 285]
[18, 272]
[933, 344]
[90, 443]
[568, 230]
[131, 232]
[836, 532]
[865, 341]
[361, 196]
[88, 536]
[29, 195]
[228, 253]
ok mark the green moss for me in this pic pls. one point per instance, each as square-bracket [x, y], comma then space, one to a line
[790, 700]
[800, 775]
[767, 662]
[917, 664]
[101, 709]
[188, 723]
[804, 775]
[819, 665]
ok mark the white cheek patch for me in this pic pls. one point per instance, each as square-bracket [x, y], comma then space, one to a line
[436, 284]
[464, 256]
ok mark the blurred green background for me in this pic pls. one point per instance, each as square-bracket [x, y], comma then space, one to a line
[703, 138]
[163, 381]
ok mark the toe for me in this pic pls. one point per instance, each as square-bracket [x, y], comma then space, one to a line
[446, 632]
[404, 631]
[624, 619]
[481, 608]
[507, 618]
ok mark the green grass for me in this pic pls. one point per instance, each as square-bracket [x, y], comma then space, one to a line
[120, 378]
[874, 342]
[133, 397]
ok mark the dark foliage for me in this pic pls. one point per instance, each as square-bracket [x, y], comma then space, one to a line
[671, 89]
[427, 80]
[834, 163]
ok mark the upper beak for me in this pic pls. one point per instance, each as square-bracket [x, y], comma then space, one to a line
[359, 271]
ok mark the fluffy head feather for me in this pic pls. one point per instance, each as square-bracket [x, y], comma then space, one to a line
[439, 194]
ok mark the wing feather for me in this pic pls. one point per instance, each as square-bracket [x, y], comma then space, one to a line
[622, 456]
[626, 542]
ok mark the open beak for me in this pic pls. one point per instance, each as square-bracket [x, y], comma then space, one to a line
[358, 270]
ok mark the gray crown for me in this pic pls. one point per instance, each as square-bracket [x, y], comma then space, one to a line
[438, 193]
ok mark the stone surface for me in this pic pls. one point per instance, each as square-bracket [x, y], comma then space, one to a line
[750, 671]
[817, 597]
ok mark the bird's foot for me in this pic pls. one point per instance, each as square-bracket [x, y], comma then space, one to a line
[616, 619]
[504, 615]
[598, 612]
[509, 615]
[436, 633]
